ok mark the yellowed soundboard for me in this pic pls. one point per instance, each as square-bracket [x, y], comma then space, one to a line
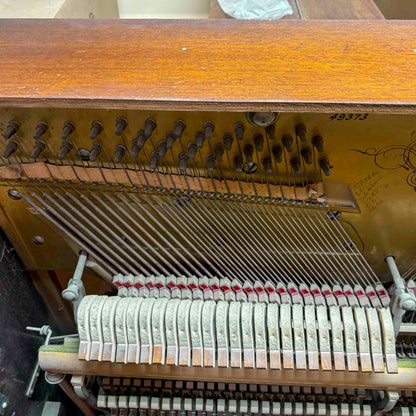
[373, 177]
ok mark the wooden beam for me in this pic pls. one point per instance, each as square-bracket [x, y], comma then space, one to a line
[228, 65]
[68, 363]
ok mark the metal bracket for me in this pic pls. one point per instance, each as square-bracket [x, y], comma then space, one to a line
[387, 403]
[47, 332]
[75, 290]
[402, 300]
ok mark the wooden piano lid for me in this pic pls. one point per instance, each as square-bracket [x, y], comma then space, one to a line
[229, 65]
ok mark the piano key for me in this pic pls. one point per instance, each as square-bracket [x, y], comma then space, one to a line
[324, 342]
[389, 340]
[363, 339]
[247, 331]
[337, 338]
[184, 335]
[299, 336]
[208, 332]
[375, 339]
[171, 325]
[273, 331]
[260, 334]
[286, 335]
[221, 325]
[350, 338]
[311, 337]
[195, 323]
[159, 330]
[145, 325]
[97, 340]
[235, 334]
[287, 408]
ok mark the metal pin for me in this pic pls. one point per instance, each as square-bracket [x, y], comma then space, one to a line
[208, 129]
[180, 126]
[149, 126]
[66, 147]
[40, 130]
[11, 129]
[96, 129]
[325, 166]
[287, 141]
[306, 153]
[300, 131]
[318, 142]
[95, 151]
[67, 129]
[119, 153]
[121, 124]
[38, 148]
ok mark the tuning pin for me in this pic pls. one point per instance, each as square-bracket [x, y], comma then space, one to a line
[219, 151]
[149, 126]
[38, 148]
[238, 163]
[210, 163]
[306, 153]
[300, 131]
[121, 124]
[66, 147]
[270, 131]
[258, 142]
[183, 162]
[248, 153]
[119, 153]
[325, 166]
[318, 142]
[163, 148]
[96, 129]
[180, 126]
[200, 139]
[295, 163]
[11, 129]
[67, 129]
[170, 139]
[277, 152]
[154, 160]
[95, 151]
[208, 129]
[239, 131]
[11, 147]
[228, 141]
[192, 149]
[287, 141]
[40, 130]
[267, 165]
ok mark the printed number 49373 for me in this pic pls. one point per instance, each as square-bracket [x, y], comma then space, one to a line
[347, 117]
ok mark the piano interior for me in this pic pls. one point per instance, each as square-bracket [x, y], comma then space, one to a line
[253, 258]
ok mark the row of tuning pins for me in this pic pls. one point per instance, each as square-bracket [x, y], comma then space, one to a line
[38, 135]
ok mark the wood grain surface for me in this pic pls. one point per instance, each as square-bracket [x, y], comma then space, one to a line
[291, 65]
[68, 363]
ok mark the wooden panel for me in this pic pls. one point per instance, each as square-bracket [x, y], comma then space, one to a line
[339, 9]
[222, 64]
[63, 362]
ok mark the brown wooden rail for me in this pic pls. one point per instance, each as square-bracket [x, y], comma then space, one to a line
[68, 363]
[288, 65]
